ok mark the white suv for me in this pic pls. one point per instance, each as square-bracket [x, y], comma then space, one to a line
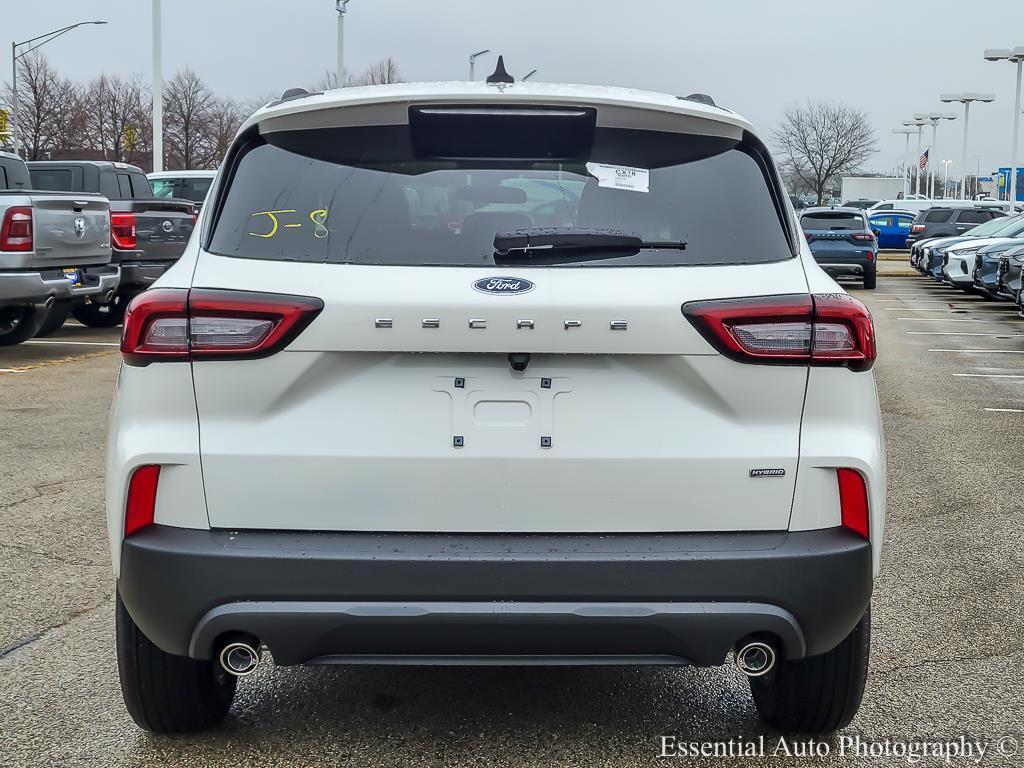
[496, 374]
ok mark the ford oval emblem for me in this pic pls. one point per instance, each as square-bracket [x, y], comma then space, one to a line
[503, 286]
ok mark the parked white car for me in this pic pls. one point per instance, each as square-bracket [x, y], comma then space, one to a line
[443, 424]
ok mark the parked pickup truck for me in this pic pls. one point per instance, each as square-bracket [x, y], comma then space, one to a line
[148, 234]
[54, 253]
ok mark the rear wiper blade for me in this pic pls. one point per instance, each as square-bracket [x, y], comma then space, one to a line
[540, 243]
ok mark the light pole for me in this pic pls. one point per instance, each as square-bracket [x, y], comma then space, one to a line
[933, 118]
[341, 6]
[917, 165]
[40, 41]
[945, 177]
[1017, 57]
[158, 90]
[472, 62]
[906, 157]
[966, 99]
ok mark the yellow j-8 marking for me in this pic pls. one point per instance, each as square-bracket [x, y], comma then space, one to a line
[318, 217]
[273, 221]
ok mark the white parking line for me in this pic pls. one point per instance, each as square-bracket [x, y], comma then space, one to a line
[1005, 410]
[11, 370]
[77, 343]
[994, 351]
[964, 333]
[990, 375]
[942, 320]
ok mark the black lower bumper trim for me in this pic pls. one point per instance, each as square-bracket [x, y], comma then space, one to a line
[419, 598]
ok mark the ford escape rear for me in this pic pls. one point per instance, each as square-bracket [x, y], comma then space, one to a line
[494, 375]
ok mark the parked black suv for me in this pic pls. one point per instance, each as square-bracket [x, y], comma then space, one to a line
[147, 233]
[948, 222]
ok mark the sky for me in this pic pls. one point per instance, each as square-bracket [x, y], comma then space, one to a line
[753, 56]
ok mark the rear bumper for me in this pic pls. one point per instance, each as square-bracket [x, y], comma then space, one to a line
[466, 598]
[36, 286]
[139, 275]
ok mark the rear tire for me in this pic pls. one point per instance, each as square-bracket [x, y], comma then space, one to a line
[102, 315]
[870, 278]
[55, 317]
[165, 693]
[18, 324]
[819, 694]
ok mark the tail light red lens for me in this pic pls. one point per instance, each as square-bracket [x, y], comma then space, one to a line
[140, 507]
[180, 324]
[16, 229]
[915, 228]
[853, 502]
[820, 330]
[863, 236]
[122, 231]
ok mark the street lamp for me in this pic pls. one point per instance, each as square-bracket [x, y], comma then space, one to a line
[945, 177]
[966, 99]
[906, 157]
[40, 41]
[472, 61]
[341, 6]
[934, 118]
[1017, 57]
[920, 123]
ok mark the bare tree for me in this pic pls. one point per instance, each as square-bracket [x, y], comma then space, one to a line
[115, 113]
[49, 116]
[383, 72]
[821, 140]
[188, 112]
[225, 119]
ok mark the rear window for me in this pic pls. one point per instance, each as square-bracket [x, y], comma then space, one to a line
[938, 215]
[194, 189]
[825, 220]
[58, 179]
[375, 196]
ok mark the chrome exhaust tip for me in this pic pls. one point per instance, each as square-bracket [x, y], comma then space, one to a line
[755, 659]
[49, 302]
[239, 659]
[108, 297]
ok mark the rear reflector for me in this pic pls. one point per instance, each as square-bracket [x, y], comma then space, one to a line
[141, 504]
[16, 229]
[853, 501]
[800, 329]
[180, 324]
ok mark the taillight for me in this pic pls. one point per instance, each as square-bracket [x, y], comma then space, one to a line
[863, 236]
[179, 324]
[16, 229]
[122, 231]
[823, 329]
[853, 501]
[141, 504]
[915, 228]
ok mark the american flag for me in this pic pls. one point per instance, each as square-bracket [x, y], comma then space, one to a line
[922, 163]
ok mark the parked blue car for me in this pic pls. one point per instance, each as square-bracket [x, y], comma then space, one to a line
[891, 228]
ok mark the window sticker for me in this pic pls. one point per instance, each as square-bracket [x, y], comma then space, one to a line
[620, 177]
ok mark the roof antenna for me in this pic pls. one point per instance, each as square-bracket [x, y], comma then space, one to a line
[500, 74]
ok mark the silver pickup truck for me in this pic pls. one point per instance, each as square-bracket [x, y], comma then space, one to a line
[54, 252]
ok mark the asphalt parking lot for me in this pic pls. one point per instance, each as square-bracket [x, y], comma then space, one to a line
[948, 625]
